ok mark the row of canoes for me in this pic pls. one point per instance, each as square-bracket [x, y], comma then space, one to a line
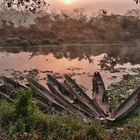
[69, 97]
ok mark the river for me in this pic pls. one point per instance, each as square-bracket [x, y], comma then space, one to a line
[79, 61]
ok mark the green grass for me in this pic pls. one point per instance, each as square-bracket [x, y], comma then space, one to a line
[132, 126]
[23, 120]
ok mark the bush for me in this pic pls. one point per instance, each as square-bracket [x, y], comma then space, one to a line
[25, 105]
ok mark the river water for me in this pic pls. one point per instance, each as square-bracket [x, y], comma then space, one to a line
[79, 61]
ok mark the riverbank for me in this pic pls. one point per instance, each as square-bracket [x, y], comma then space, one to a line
[50, 126]
[38, 125]
[28, 122]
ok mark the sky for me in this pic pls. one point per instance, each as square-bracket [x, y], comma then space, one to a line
[92, 6]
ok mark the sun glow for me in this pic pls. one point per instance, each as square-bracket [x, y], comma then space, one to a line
[68, 2]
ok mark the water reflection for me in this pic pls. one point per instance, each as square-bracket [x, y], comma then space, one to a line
[118, 54]
[80, 61]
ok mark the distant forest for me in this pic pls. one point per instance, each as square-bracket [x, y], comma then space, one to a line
[74, 27]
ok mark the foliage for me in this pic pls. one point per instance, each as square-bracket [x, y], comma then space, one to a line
[133, 126]
[34, 124]
[27, 5]
[119, 91]
[25, 105]
[49, 29]
[23, 120]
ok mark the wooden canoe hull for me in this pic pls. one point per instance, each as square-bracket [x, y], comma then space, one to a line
[79, 93]
[99, 92]
[127, 106]
[45, 94]
[70, 106]
[69, 96]
[4, 94]
[41, 101]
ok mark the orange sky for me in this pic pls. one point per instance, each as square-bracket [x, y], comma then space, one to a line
[92, 6]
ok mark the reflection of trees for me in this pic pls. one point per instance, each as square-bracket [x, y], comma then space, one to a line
[115, 54]
[120, 55]
[108, 63]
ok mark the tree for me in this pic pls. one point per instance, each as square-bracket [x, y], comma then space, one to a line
[27, 5]
[137, 1]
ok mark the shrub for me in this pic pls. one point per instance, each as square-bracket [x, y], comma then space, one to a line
[25, 105]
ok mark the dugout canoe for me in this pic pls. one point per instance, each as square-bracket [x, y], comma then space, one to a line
[71, 97]
[126, 107]
[68, 103]
[45, 94]
[79, 93]
[99, 92]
